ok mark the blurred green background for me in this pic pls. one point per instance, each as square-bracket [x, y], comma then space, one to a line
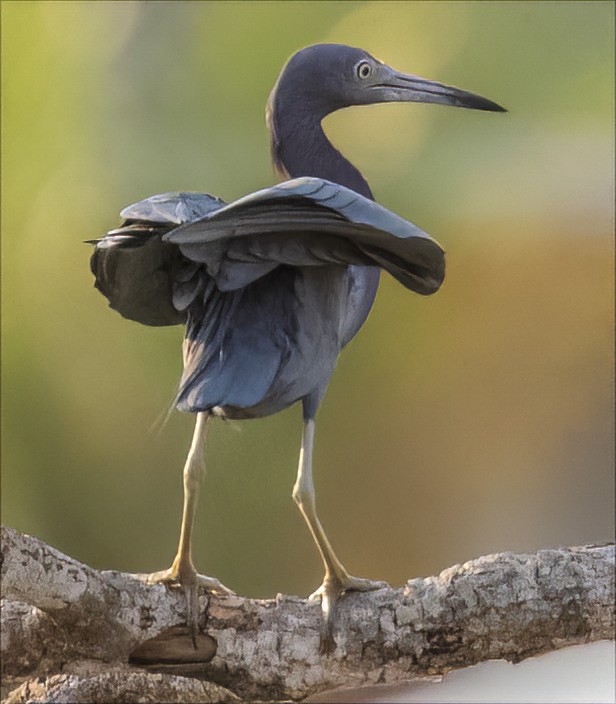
[473, 421]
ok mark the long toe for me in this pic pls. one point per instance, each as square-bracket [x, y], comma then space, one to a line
[187, 577]
[359, 584]
[169, 576]
[348, 584]
[191, 590]
[213, 585]
[329, 594]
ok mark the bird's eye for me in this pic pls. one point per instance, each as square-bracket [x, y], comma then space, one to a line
[363, 69]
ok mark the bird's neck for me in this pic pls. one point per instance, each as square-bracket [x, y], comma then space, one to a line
[300, 148]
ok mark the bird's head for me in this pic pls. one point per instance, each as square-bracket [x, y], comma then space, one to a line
[328, 77]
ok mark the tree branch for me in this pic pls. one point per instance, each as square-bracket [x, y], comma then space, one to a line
[99, 636]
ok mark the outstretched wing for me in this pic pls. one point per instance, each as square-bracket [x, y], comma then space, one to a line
[308, 222]
[152, 267]
[144, 278]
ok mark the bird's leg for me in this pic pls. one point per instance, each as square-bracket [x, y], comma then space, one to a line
[182, 572]
[337, 580]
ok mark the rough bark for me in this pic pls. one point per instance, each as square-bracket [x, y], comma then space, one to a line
[71, 633]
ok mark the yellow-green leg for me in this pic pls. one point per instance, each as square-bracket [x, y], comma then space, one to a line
[182, 572]
[337, 580]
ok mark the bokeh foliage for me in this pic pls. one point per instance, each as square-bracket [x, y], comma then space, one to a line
[477, 420]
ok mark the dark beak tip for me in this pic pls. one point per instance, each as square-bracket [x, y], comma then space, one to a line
[479, 103]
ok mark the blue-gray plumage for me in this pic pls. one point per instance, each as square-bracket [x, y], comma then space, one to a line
[272, 286]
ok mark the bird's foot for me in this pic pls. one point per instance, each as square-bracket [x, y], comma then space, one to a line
[186, 576]
[173, 577]
[347, 584]
[329, 593]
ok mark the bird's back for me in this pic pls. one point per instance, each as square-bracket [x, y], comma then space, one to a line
[257, 350]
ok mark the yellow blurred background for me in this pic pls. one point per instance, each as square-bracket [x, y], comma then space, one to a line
[474, 421]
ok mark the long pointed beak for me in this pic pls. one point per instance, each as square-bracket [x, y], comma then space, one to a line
[401, 87]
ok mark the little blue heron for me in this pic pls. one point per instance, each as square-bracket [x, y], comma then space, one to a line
[272, 286]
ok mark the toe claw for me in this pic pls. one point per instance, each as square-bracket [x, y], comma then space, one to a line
[192, 612]
[190, 581]
[327, 642]
[329, 593]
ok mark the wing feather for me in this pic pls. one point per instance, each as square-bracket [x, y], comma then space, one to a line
[142, 277]
[153, 266]
[309, 222]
